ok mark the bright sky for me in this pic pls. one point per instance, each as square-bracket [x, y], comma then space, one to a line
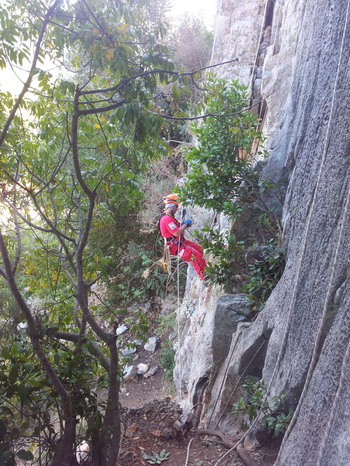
[204, 9]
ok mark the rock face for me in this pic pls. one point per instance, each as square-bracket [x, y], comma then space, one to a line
[231, 31]
[207, 324]
[299, 343]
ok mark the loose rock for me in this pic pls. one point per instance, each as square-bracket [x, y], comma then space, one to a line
[129, 372]
[122, 329]
[151, 344]
[128, 351]
[142, 368]
[151, 372]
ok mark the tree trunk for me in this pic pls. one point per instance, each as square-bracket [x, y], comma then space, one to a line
[109, 437]
[65, 453]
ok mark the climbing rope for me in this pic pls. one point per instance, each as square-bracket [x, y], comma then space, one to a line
[238, 381]
[178, 312]
[188, 451]
[222, 385]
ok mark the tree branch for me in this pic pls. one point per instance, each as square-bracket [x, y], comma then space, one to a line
[107, 108]
[94, 349]
[25, 88]
[206, 115]
[35, 339]
[152, 72]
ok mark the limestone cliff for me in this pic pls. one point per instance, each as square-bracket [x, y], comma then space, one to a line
[294, 53]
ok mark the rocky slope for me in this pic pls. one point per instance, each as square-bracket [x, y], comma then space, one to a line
[299, 343]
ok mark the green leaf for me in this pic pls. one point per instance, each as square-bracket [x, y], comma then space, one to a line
[13, 374]
[5, 353]
[25, 455]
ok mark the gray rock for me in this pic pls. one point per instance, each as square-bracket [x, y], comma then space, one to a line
[129, 372]
[128, 351]
[177, 425]
[142, 368]
[230, 310]
[151, 344]
[152, 371]
[303, 332]
[122, 329]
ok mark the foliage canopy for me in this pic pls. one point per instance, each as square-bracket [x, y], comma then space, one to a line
[72, 148]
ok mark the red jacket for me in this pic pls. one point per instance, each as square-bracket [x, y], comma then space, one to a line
[168, 225]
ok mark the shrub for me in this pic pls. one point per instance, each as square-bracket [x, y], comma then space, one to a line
[264, 274]
[254, 401]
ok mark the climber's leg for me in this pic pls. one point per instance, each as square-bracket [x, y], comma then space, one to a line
[194, 255]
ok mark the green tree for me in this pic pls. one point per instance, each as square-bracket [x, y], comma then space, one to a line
[72, 147]
[220, 175]
[82, 136]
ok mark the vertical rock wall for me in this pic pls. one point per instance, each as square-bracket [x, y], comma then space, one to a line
[300, 341]
[314, 349]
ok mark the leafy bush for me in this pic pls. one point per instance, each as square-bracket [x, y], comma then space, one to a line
[166, 359]
[228, 254]
[264, 274]
[220, 174]
[156, 458]
[273, 418]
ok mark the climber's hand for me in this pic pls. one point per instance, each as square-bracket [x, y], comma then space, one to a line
[188, 222]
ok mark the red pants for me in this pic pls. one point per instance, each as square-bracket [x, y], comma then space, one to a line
[190, 252]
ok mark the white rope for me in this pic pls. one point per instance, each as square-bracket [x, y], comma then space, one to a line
[188, 452]
[178, 314]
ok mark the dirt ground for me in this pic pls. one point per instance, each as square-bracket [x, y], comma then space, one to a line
[152, 424]
[149, 430]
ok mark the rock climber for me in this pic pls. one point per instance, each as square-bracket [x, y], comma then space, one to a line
[173, 232]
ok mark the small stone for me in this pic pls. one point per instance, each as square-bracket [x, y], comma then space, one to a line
[129, 372]
[128, 351]
[142, 368]
[122, 329]
[167, 433]
[177, 425]
[151, 344]
[151, 372]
